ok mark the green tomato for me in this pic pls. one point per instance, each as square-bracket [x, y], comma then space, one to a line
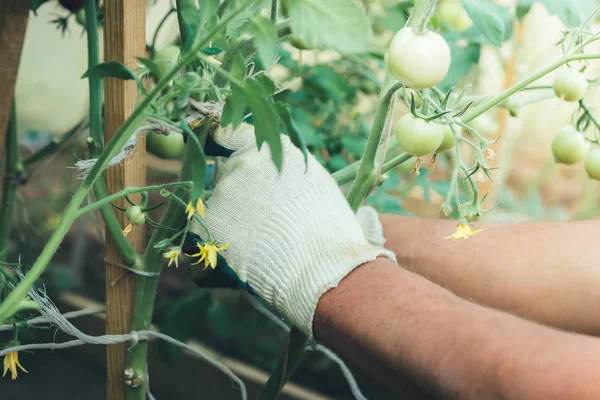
[166, 57]
[80, 17]
[135, 215]
[570, 84]
[568, 145]
[418, 137]
[453, 14]
[448, 142]
[592, 164]
[169, 146]
[485, 125]
[418, 61]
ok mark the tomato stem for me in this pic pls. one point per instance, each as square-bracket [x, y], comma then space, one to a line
[12, 177]
[422, 12]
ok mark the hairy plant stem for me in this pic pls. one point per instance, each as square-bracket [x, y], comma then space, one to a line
[365, 176]
[12, 178]
[97, 135]
[152, 261]
[8, 306]
[421, 15]
[274, 6]
[94, 82]
[125, 192]
[500, 97]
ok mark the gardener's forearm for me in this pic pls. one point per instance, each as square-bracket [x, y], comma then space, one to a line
[544, 271]
[392, 322]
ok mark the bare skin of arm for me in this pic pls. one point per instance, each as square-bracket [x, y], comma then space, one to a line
[392, 322]
[547, 272]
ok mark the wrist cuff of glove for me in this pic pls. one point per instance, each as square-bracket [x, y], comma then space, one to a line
[301, 304]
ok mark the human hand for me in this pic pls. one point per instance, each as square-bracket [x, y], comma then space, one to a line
[291, 234]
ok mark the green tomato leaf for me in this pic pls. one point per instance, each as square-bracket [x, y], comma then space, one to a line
[35, 4]
[486, 16]
[341, 25]
[198, 165]
[523, 7]
[265, 38]
[571, 13]
[293, 354]
[265, 120]
[235, 108]
[186, 13]
[113, 69]
[291, 128]
[211, 51]
[235, 27]
[151, 65]
[238, 66]
[266, 84]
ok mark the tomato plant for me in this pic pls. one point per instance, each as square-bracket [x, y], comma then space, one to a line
[375, 68]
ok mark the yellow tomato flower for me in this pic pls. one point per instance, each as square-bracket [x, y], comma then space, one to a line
[200, 207]
[208, 253]
[173, 256]
[127, 229]
[463, 232]
[11, 362]
[191, 210]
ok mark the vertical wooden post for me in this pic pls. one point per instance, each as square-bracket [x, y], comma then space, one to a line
[13, 22]
[124, 39]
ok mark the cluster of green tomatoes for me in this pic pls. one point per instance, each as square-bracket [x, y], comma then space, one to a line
[420, 61]
[570, 145]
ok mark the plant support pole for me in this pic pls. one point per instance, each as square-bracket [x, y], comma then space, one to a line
[124, 39]
[13, 22]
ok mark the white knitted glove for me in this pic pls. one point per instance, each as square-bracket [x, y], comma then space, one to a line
[371, 225]
[292, 234]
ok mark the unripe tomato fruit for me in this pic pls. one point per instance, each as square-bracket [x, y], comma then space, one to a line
[135, 215]
[592, 164]
[568, 145]
[80, 17]
[448, 141]
[418, 137]
[485, 125]
[169, 146]
[570, 84]
[166, 57]
[418, 61]
[453, 13]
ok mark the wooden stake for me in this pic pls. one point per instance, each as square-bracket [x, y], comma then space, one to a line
[13, 22]
[124, 39]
